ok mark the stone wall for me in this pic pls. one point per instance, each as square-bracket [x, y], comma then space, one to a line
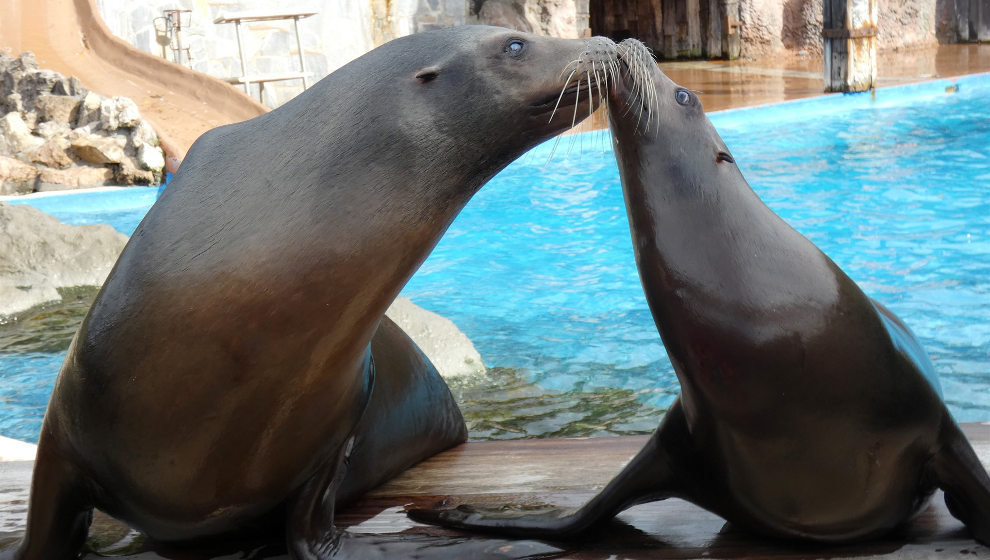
[795, 26]
[56, 135]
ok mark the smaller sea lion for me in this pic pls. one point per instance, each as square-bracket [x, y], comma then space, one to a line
[807, 410]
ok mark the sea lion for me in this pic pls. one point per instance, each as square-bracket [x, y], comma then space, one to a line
[807, 410]
[221, 381]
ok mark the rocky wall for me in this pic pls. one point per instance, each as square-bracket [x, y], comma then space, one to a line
[795, 26]
[56, 135]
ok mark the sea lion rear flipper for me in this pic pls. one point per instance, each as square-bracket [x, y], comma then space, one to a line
[651, 475]
[59, 516]
[964, 480]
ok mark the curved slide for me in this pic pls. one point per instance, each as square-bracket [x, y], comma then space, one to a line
[69, 36]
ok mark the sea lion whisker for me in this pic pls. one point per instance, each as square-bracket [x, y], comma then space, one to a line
[591, 97]
[603, 76]
[577, 101]
[553, 150]
[561, 96]
[574, 63]
[598, 86]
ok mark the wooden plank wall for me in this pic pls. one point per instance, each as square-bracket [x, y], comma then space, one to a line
[672, 28]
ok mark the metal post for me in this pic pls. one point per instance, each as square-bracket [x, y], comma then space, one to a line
[240, 53]
[302, 62]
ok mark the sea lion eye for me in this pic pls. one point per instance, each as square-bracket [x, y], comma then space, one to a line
[514, 47]
[683, 97]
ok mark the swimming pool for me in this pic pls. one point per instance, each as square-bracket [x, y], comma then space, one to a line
[538, 269]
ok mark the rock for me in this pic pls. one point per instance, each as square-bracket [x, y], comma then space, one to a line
[53, 153]
[118, 112]
[16, 177]
[29, 291]
[504, 13]
[50, 129]
[99, 149]
[89, 109]
[12, 102]
[70, 86]
[444, 344]
[39, 254]
[72, 178]
[15, 136]
[54, 122]
[37, 82]
[150, 158]
[23, 63]
[128, 173]
[58, 108]
[30, 119]
[143, 133]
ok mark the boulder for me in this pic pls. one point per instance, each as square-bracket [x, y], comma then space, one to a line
[16, 177]
[99, 149]
[36, 82]
[129, 173]
[118, 112]
[444, 344]
[53, 153]
[39, 255]
[15, 136]
[58, 108]
[143, 133]
[73, 178]
[49, 129]
[150, 158]
[89, 109]
[12, 103]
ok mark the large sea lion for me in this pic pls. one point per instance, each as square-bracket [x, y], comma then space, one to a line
[807, 410]
[221, 381]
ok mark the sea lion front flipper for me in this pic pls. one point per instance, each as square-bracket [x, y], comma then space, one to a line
[964, 480]
[651, 475]
[60, 514]
[311, 534]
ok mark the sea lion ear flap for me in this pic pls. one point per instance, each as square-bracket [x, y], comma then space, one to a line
[966, 484]
[427, 74]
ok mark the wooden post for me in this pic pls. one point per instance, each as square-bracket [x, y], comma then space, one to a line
[979, 20]
[850, 34]
[732, 29]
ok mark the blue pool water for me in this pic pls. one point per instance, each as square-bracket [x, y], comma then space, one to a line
[538, 270]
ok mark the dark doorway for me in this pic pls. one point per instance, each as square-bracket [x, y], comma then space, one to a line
[672, 28]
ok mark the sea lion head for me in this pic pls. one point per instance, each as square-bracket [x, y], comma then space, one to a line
[649, 110]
